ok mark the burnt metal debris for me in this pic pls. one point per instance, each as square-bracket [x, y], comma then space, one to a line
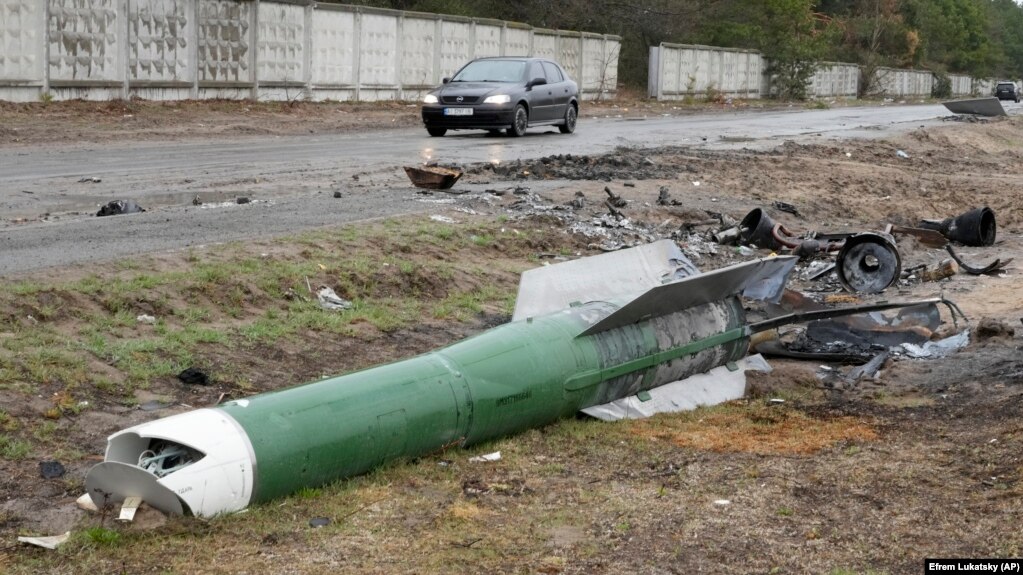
[868, 263]
[119, 207]
[976, 227]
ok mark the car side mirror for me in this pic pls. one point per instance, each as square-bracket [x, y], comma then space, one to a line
[445, 80]
[536, 82]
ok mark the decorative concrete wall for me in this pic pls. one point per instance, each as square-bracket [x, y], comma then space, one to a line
[265, 49]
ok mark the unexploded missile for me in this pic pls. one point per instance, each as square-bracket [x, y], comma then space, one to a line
[584, 333]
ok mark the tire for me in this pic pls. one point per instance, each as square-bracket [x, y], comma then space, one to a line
[571, 117]
[520, 122]
[437, 132]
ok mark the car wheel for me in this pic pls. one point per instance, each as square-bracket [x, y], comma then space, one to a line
[520, 123]
[437, 132]
[571, 116]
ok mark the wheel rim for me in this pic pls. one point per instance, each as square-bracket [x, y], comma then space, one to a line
[520, 120]
[570, 121]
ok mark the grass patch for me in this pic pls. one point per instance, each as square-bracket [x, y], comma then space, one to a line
[14, 448]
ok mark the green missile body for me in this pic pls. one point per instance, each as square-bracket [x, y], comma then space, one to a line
[514, 377]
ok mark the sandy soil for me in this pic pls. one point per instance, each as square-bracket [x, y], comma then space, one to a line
[925, 460]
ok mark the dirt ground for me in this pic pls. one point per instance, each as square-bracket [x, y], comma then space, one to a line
[924, 460]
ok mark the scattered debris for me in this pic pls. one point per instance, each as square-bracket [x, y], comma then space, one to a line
[242, 200]
[495, 456]
[51, 542]
[155, 405]
[614, 200]
[330, 300]
[86, 503]
[757, 229]
[128, 508]
[946, 268]
[787, 208]
[194, 376]
[317, 522]
[902, 154]
[990, 328]
[442, 219]
[51, 469]
[146, 319]
[939, 348]
[337, 194]
[118, 207]
[722, 502]
[89, 180]
[432, 177]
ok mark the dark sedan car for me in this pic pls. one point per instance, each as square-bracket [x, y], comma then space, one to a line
[510, 94]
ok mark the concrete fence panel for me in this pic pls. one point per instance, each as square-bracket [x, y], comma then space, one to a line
[456, 47]
[899, 83]
[224, 43]
[418, 45]
[334, 46]
[835, 80]
[517, 41]
[160, 47]
[280, 45]
[378, 57]
[684, 71]
[488, 41]
[86, 41]
[962, 85]
[21, 49]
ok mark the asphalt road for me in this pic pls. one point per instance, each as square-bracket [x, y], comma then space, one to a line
[48, 212]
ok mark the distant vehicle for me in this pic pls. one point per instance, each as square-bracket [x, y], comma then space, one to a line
[510, 94]
[1007, 91]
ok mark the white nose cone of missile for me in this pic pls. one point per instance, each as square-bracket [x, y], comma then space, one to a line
[200, 461]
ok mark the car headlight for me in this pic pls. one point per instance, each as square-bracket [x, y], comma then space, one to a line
[501, 99]
[429, 99]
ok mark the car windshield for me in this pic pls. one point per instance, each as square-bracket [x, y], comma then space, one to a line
[491, 71]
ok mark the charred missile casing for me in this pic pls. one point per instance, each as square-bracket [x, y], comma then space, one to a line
[514, 377]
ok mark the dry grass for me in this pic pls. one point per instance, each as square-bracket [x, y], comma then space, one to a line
[757, 428]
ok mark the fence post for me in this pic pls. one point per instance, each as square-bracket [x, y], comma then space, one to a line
[472, 39]
[582, 62]
[504, 38]
[307, 52]
[438, 41]
[193, 51]
[356, 54]
[399, 43]
[123, 39]
[254, 49]
[45, 39]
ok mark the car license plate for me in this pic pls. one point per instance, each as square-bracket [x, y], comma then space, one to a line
[457, 111]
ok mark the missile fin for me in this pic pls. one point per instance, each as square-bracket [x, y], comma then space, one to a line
[758, 279]
[604, 277]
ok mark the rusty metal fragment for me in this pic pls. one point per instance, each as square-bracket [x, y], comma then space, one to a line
[432, 177]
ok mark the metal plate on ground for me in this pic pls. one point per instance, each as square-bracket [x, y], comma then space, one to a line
[979, 106]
